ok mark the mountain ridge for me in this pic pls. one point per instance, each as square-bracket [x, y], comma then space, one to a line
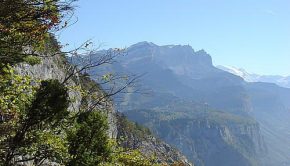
[180, 79]
[283, 81]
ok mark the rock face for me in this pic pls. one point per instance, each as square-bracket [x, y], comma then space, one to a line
[212, 144]
[182, 60]
[57, 67]
[206, 137]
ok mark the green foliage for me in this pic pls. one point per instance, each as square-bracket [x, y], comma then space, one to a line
[125, 157]
[15, 93]
[134, 128]
[88, 140]
[32, 60]
[89, 145]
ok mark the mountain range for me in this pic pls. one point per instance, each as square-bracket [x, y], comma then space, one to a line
[212, 116]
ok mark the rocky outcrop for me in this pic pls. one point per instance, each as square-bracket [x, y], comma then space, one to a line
[57, 68]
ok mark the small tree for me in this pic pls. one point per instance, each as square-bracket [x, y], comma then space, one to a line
[88, 140]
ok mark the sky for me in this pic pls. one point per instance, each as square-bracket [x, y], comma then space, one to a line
[250, 34]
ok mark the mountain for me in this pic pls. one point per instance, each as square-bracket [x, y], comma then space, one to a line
[181, 72]
[207, 113]
[283, 81]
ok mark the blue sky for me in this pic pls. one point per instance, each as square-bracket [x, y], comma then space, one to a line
[252, 34]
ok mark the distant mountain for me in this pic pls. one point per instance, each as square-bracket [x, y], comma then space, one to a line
[276, 79]
[213, 116]
[182, 72]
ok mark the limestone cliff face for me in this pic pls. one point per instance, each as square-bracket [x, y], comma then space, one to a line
[56, 68]
[210, 144]
[207, 138]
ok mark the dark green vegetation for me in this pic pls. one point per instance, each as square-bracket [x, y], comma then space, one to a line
[136, 129]
[88, 146]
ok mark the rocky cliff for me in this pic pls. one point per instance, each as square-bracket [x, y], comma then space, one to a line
[208, 138]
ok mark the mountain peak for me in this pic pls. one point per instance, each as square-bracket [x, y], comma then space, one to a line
[181, 59]
[178, 46]
[202, 51]
[143, 44]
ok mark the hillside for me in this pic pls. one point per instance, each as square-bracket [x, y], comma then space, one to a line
[56, 68]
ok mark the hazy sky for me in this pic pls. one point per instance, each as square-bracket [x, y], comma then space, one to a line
[252, 34]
